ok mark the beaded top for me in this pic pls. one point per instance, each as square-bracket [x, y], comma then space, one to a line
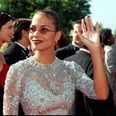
[45, 89]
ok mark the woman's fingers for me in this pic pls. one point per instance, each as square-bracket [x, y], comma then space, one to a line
[97, 27]
[83, 26]
[89, 34]
[89, 24]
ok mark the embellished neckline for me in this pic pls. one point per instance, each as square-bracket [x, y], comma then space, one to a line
[35, 62]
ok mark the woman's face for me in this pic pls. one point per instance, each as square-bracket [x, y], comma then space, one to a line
[42, 33]
[6, 32]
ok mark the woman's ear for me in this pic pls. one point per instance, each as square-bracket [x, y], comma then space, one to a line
[58, 36]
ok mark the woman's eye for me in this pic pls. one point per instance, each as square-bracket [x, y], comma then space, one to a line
[32, 29]
[43, 30]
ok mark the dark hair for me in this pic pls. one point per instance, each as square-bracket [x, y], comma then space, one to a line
[19, 25]
[63, 41]
[105, 34]
[75, 22]
[54, 17]
[4, 18]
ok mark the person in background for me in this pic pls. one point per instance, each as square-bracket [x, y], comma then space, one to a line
[71, 48]
[44, 84]
[18, 49]
[110, 58]
[6, 33]
[111, 69]
[4, 46]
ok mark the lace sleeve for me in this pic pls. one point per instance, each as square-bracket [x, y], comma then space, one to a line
[12, 92]
[84, 83]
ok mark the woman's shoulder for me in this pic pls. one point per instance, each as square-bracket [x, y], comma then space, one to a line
[70, 64]
[22, 63]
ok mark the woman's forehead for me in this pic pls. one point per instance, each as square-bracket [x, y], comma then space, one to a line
[41, 19]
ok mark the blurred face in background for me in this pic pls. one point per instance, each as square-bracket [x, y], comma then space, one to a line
[6, 32]
[74, 33]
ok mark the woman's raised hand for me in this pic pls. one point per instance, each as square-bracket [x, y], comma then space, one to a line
[90, 35]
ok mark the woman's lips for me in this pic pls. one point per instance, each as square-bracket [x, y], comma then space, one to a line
[37, 41]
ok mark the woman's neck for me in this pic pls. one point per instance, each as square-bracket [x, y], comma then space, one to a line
[44, 58]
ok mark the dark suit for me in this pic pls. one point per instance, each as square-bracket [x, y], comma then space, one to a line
[84, 105]
[66, 51]
[14, 53]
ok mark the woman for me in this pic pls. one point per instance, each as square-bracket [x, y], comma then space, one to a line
[44, 84]
[6, 33]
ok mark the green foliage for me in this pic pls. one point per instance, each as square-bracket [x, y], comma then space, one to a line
[68, 10]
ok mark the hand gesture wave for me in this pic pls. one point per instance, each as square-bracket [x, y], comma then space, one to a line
[90, 35]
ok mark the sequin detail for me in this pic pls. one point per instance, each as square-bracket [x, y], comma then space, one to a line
[44, 89]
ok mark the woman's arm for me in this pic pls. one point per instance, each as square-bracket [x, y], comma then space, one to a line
[90, 37]
[11, 93]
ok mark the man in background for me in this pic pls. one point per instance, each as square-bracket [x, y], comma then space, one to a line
[17, 50]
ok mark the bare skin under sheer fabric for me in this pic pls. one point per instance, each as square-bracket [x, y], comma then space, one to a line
[44, 89]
